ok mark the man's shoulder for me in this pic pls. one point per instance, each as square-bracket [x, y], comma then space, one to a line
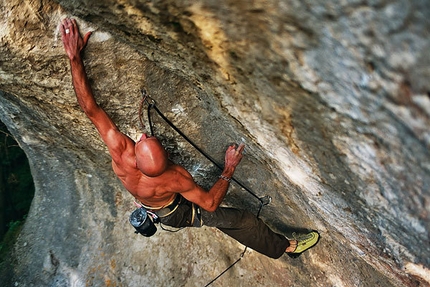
[180, 170]
[124, 166]
[121, 148]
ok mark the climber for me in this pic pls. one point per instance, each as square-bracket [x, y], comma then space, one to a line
[165, 188]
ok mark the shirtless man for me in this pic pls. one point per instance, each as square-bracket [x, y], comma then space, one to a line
[146, 172]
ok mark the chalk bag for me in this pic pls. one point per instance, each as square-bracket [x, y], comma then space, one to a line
[143, 222]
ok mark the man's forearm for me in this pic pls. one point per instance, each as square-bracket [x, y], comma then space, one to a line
[219, 189]
[82, 86]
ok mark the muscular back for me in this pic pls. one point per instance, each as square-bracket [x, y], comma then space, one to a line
[155, 191]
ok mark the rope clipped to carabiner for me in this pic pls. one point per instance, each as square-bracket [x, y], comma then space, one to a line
[265, 200]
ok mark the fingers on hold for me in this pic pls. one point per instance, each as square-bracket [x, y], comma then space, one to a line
[241, 147]
[74, 26]
[63, 23]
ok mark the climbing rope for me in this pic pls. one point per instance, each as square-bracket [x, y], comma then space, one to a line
[265, 200]
[152, 105]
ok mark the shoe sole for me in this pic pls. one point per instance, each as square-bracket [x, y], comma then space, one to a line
[295, 255]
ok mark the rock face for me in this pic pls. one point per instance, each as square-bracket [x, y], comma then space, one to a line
[332, 99]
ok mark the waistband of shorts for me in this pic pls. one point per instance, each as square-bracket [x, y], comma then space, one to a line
[167, 205]
[168, 209]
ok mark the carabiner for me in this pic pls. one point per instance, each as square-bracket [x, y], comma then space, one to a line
[147, 98]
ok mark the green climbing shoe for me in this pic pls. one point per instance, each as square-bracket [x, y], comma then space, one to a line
[304, 242]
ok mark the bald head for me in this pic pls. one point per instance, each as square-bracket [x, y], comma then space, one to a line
[151, 157]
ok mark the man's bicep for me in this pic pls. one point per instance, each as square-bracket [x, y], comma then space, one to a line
[199, 196]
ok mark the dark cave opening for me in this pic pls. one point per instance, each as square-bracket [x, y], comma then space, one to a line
[16, 189]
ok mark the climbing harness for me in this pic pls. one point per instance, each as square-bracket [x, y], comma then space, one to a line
[144, 217]
[265, 200]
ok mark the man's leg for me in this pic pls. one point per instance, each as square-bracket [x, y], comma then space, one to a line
[246, 228]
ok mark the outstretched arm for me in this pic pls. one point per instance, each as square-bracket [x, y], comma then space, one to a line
[74, 44]
[212, 199]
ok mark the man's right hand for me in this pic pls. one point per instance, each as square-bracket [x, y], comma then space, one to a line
[233, 156]
[72, 40]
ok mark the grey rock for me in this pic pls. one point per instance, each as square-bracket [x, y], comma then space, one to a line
[330, 97]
